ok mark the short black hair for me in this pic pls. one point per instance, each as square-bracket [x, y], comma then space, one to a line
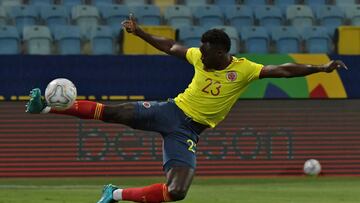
[218, 38]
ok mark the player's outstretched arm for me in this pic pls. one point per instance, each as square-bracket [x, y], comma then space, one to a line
[166, 45]
[289, 70]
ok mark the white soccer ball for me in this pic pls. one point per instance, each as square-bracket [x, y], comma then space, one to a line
[312, 167]
[60, 94]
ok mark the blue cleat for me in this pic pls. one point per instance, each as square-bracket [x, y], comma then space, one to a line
[36, 104]
[107, 196]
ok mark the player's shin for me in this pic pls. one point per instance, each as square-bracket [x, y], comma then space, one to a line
[83, 109]
[155, 193]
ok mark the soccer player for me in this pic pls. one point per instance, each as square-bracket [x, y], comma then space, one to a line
[217, 84]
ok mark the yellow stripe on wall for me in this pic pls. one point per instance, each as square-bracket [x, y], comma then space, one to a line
[80, 97]
[331, 82]
[24, 98]
[118, 97]
[136, 97]
[91, 97]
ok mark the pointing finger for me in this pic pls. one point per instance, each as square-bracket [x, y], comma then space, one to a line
[131, 17]
[343, 64]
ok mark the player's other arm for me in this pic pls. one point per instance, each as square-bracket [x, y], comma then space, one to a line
[289, 70]
[166, 45]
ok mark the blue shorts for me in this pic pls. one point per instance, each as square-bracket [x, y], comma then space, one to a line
[180, 133]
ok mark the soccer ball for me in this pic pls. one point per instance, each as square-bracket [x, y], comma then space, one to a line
[312, 167]
[60, 94]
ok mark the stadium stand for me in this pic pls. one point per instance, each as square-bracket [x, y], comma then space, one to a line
[256, 39]
[148, 15]
[86, 17]
[3, 16]
[54, 15]
[113, 15]
[11, 2]
[38, 40]
[269, 16]
[102, 41]
[239, 16]
[68, 39]
[190, 35]
[195, 2]
[178, 16]
[24, 16]
[71, 3]
[9, 40]
[254, 3]
[352, 13]
[283, 4]
[225, 2]
[134, 2]
[316, 40]
[40, 2]
[315, 3]
[287, 39]
[300, 16]
[330, 17]
[345, 2]
[208, 16]
[102, 2]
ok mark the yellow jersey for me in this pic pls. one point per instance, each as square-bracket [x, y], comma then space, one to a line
[211, 94]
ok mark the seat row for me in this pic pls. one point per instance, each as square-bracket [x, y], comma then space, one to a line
[185, 2]
[254, 39]
[258, 39]
[65, 40]
[299, 16]
[87, 16]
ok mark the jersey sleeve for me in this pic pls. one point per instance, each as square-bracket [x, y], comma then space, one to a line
[192, 55]
[253, 70]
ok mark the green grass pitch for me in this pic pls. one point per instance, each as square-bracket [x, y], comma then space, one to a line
[203, 190]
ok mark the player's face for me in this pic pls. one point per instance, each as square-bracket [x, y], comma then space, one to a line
[210, 56]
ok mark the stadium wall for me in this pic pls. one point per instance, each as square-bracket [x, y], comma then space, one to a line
[161, 77]
[259, 138]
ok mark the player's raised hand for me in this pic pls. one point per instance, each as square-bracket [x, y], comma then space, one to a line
[130, 25]
[332, 65]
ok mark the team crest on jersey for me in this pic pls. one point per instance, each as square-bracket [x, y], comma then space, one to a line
[231, 76]
[146, 104]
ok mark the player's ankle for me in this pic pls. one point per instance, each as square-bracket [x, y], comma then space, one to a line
[117, 194]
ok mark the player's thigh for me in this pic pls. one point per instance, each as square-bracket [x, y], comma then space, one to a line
[156, 116]
[121, 113]
[179, 156]
[179, 150]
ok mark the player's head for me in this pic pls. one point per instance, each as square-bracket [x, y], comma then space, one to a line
[215, 46]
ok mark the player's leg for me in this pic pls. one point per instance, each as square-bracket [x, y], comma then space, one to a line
[179, 156]
[179, 177]
[178, 183]
[122, 113]
[179, 164]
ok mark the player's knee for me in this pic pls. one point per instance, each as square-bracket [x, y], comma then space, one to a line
[177, 194]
